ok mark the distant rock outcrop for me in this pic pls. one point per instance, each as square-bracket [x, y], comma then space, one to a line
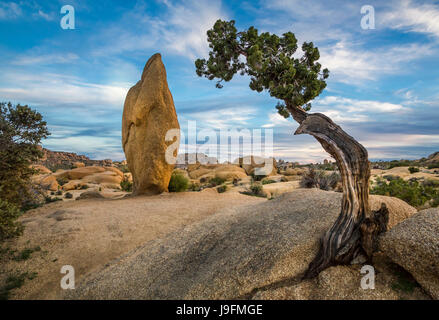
[257, 165]
[66, 160]
[414, 245]
[148, 114]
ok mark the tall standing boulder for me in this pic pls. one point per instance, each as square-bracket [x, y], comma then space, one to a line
[148, 114]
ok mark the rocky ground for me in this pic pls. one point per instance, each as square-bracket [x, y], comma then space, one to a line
[207, 244]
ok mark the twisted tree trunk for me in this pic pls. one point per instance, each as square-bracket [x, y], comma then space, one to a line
[356, 228]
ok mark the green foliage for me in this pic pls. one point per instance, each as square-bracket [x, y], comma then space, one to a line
[14, 282]
[413, 169]
[268, 181]
[256, 177]
[194, 187]
[52, 199]
[83, 187]
[269, 61]
[9, 227]
[21, 130]
[62, 180]
[256, 188]
[26, 253]
[126, 185]
[319, 179]
[412, 192]
[216, 181]
[433, 165]
[178, 182]
[222, 188]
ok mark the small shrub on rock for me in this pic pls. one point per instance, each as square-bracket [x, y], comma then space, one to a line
[178, 183]
[126, 185]
[413, 169]
[319, 179]
[217, 181]
[222, 188]
[256, 189]
[68, 195]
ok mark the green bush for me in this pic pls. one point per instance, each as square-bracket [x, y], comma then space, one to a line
[222, 188]
[217, 181]
[319, 179]
[257, 177]
[413, 169]
[21, 131]
[126, 185]
[433, 165]
[412, 192]
[268, 181]
[68, 195]
[62, 180]
[9, 227]
[178, 183]
[194, 186]
[256, 188]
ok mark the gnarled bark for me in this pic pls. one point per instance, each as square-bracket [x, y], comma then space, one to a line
[356, 228]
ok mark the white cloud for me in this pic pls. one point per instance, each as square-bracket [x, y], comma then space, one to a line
[45, 59]
[180, 29]
[9, 11]
[223, 118]
[352, 65]
[408, 16]
[359, 106]
[276, 120]
[56, 89]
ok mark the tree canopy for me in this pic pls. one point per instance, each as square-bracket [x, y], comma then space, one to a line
[269, 60]
[21, 130]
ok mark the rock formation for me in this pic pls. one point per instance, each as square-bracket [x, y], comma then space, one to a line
[414, 245]
[148, 114]
[232, 254]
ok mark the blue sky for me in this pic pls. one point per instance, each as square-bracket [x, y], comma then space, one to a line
[383, 87]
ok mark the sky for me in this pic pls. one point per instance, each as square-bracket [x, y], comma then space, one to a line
[383, 87]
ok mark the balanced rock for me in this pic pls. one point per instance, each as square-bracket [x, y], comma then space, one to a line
[148, 114]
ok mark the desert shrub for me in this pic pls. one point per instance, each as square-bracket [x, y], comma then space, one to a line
[256, 177]
[319, 179]
[62, 180]
[268, 181]
[256, 188]
[400, 163]
[9, 227]
[430, 183]
[433, 165]
[124, 168]
[59, 193]
[411, 192]
[390, 177]
[126, 185]
[83, 187]
[194, 186]
[222, 188]
[52, 199]
[68, 195]
[216, 181]
[413, 169]
[21, 131]
[178, 183]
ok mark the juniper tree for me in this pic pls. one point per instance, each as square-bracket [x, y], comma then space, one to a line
[272, 64]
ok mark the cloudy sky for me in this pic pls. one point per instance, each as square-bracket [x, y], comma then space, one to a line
[383, 87]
